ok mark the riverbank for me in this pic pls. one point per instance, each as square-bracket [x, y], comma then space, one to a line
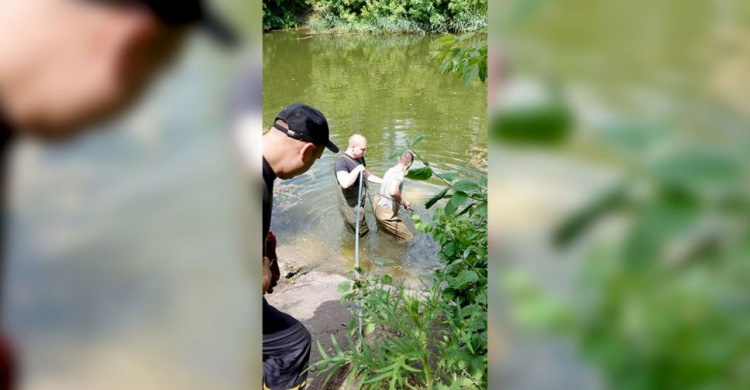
[377, 16]
[313, 299]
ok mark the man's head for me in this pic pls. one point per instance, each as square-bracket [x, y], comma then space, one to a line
[357, 146]
[405, 160]
[71, 63]
[296, 140]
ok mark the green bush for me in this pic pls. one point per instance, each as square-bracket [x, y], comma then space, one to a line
[435, 338]
[283, 14]
[378, 15]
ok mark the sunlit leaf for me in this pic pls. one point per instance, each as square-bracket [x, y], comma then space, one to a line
[466, 186]
[423, 173]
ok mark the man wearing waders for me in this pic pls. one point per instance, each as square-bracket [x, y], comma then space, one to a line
[67, 65]
[347, 169]
[297, 139]
[389, 199]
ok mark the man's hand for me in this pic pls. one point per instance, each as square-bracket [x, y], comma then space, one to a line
[359, 168]
[267, 275]
[406, 204]
[275, 276]
[7, 364]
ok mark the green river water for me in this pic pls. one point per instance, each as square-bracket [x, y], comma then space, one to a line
[388, 89]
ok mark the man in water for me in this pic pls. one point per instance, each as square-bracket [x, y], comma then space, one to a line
[389, 199]
[66, 65]
[347, 169]
[297, 139]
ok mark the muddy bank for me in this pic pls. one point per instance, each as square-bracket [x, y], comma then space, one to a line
[313, 299]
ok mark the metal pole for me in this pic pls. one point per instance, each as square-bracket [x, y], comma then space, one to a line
[356, 252]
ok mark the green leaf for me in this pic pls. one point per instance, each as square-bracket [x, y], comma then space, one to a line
[482, 209]
[545, 119]
[458, 199]
[576, 224]
[423, 173]
[450, 208]
[344, 286]
[466, 186]
[466, 277]
[369, 328]
[418, 140]
[322, 350]
[467, 209]
[397, 153]
[698, 170]
[447, 176]
[436, 198]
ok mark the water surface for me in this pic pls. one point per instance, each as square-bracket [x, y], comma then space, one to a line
[388, 89]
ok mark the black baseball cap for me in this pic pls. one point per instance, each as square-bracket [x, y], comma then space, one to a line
[183, 12]
[305, 124]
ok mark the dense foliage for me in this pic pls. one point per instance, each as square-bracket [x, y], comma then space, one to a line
[435, 338]
[379, 15]
[664, 303]
[283, 14]
[464, 55]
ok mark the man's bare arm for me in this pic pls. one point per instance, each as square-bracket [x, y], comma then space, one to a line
[395, 191]
[372, 178]
[346, 179]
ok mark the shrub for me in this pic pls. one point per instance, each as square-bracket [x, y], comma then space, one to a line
[435, 338]
[378, 15]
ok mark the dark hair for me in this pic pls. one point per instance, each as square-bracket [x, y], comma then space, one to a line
[407, 157]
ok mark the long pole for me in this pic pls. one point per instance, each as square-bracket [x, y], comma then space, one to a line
[356, 253]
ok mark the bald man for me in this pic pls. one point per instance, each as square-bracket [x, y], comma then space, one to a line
[347, 168]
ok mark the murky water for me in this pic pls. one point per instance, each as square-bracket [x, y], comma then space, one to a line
[389, 90]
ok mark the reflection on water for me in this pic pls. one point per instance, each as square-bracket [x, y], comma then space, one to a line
[388, 89]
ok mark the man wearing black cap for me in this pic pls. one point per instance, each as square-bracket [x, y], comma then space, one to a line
[297, 139]
[68, 64]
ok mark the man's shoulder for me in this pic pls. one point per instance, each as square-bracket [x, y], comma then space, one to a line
[396, 173]
[344, 163]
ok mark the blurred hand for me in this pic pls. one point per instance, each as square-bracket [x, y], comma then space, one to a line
[275, 276]
[359, 168]
[267, 274]
[7, 364]
[406, 204]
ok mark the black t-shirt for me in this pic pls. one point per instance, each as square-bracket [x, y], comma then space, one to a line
[347, 164]
[268, 178]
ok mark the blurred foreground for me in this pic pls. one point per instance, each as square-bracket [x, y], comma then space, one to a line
[620, 220]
